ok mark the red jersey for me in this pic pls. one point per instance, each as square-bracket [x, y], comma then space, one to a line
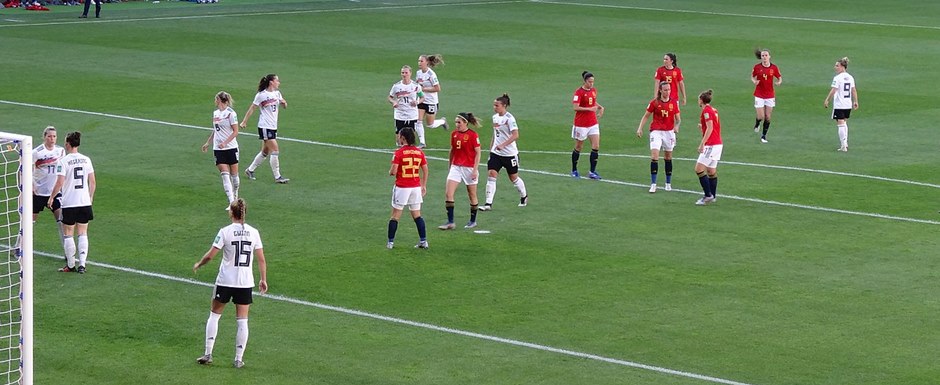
[673, 77]
[664, 114]
[765, 80]
[463, 148]
[710, 114]
[409, 160]
[585, 98]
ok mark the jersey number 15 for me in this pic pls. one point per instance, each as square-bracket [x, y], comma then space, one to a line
[242, 253]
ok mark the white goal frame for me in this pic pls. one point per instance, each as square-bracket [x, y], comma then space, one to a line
[25, 185]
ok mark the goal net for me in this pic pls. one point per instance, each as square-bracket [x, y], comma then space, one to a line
[16, 259]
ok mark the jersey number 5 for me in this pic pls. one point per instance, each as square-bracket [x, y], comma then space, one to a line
[242, 253]
[79, 175]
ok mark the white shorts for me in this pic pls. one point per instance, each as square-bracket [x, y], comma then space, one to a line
[665, 140]
[406, 196]
[760, 102]
[710, 156]
[582, 133]
[462, 174]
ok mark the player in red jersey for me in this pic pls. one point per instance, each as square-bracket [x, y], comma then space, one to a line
[671, 74]
[410, 169]
[706, 167]
[763, 77]
[464, 159]
[663, 129]
[587, 110]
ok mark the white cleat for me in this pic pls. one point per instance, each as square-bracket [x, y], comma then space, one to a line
[390, 245]
[447, 226]
[843, 149]
[704, 201]
[486, 207]
[668, 187]
[763, 140]
[652, 188]
[422, 245]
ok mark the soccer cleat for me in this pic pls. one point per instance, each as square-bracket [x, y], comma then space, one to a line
[250, 174]
[390, 245]
[447, 226]
[486, 207]
[756, 128]
[843, 149]
[652, 188]
[422, 145]
[594, 175]
[470, 225]
[238, 364]
[668, 187]
[67, 269]
[524, 201]
[81, 270]
[763, 140]
[575, 174]
[422, 245]
[206, 359]
[281, 180]
[704, 201]
[446, 128]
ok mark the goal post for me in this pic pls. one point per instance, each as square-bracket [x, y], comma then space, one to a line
[16, 238]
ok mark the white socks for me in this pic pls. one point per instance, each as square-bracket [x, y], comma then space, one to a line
[437, 123]
[276, 165]
[257, 162]
[241, 338]
[843, 135]
[70, 252]
[82, 249]
[520, 185]
[212, 328]
[490, 189]
[236, 182]
[419, 129]
[227, 187]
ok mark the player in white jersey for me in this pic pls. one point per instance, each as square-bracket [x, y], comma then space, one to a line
[224, 144]
[503, 153]
[405, 96]
[75, 179]
[268, 100]
[427, 79]
[45, 157]
[241, 248]
[844, 100]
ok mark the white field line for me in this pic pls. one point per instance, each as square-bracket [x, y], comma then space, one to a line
[249, 14]
[360, 313]
[624, 183]
[791, 18]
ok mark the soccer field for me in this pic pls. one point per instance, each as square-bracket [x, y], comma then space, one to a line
[813, 267]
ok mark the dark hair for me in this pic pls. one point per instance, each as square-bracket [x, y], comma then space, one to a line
[706, 96]
[844, 62]
[265, 82]
[757, 52]
[434, 60]
[504, 100]
[673, 57]
[469, 118]
[586, 74]
[408, 134]
[237, 208]
[225, 98]
[74, 139]
[660, 90]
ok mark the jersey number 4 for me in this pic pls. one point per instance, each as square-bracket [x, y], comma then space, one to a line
[242, 253]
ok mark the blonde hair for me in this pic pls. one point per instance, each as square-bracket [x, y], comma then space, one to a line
[844, 62]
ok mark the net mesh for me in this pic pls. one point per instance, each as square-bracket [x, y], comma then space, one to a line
[10, 267]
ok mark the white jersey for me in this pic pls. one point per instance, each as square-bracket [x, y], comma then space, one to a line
[223, 121]
[843, 83]
[427, 79]
[268, 102]
[75, 168]
[238, 243]
[44, 173]
[405, 94]
[503, 126]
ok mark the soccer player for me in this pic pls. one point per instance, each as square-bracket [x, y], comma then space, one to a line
[671, 74]
[709, 150]
[75, 179]
[844, 100]
[763, 77]
[464, 159]
[267, 100]
[430, 86]
[410, 169]
[241, 248]
[224, 142]
[587, 110]
[405, 96]
[663, 130]
[45, 157]
[504, 153]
